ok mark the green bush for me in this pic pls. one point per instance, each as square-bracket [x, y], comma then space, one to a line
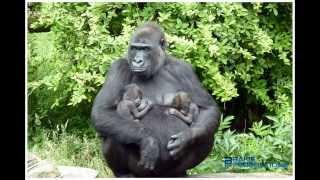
[242, 53]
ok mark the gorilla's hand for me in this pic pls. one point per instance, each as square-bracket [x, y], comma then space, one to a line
[149, 153]
[178, 143]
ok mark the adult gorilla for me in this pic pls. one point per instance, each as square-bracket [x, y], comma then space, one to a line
[161, 145]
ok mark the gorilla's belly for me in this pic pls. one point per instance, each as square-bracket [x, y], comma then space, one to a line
[164, 127]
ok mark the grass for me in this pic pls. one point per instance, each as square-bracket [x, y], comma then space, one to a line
[67, 149]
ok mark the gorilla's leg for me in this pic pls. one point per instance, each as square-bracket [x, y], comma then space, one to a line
[116, 157]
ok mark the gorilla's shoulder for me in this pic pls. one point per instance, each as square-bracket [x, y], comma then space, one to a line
[178, 65]
[119, 65]
[118, 68]
[121, 62]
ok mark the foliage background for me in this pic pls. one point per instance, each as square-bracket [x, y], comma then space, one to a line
[242, 53]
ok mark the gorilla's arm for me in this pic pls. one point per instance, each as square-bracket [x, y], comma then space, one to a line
[109, 124]
[209, 114]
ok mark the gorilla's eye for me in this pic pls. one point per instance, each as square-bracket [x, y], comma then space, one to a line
[141, 46]
[133, 48]
[146, 48]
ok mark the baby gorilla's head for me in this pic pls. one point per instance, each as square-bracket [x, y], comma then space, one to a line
[133, 93]
[182, 101]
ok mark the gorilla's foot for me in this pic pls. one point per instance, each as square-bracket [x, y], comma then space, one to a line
[180, 174]
[183, 174]
[125, 176]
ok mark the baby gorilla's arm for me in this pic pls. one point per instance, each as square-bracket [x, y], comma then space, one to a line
[144, 104]
[140, 114]
[186, 118]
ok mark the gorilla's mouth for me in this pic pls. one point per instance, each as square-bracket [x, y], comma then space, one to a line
[138, 69]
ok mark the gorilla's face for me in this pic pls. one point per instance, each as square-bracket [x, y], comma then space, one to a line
[140, 57]
[146, 52]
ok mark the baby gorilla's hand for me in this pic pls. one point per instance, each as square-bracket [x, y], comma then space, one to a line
[171, 111]
[142, 105]
[149, 102]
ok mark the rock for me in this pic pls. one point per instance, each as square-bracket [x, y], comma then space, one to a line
[43, 169]
[32, 160]
[77, 172]
[38, 168]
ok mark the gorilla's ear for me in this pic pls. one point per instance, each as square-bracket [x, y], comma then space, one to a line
[163, 43]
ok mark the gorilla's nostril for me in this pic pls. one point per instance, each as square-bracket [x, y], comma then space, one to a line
[138, 61]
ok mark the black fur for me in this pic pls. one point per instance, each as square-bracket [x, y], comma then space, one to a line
[147, 148]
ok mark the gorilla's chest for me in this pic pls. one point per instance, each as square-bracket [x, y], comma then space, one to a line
[158, 86]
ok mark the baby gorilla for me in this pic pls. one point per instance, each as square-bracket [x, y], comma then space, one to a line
[132, 106]
[183, 107]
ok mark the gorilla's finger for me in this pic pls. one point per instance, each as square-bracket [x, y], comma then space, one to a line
[140, 163]
[174, 153]
[150, 166]
[171, 141]
[146, 166]
[173, 145]
[174, 136]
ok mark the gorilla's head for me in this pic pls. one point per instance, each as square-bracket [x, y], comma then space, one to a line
[146, 53]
